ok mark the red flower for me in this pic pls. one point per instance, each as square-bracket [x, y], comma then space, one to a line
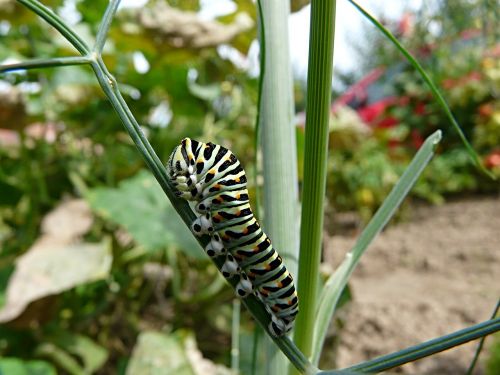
[493, 159]
[417, 139]
[373, 112]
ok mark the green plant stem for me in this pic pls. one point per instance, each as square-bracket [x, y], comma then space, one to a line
[427, 348]
[235, 336]
[54, 20]
[45, 63]
[262, 65]
[481, 343]
[435, 91]
[319, 79]
[102, 33]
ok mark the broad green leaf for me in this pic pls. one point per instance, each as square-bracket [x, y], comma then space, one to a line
[140, 206]
[336, 283]
[16, 366]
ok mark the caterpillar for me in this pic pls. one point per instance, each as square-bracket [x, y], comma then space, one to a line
[212, 177]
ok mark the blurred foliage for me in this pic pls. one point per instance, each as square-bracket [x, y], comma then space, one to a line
[60, 138]
[161, 227]
[493, 360]
[382, 120]
[19, 367]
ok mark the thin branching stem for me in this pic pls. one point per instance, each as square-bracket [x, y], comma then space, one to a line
[481, 343]
[102, 33]
[45, 63]
[429, 347]
[53, 19]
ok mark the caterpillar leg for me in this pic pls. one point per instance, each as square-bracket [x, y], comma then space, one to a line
[278, 327]
[230, 267]
[215, 247]
[202, 225]
[244, 287]
[184, 183]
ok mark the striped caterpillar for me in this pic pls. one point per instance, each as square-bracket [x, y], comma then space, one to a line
[212, 177]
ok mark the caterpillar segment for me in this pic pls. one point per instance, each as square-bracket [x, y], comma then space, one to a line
[211, 176]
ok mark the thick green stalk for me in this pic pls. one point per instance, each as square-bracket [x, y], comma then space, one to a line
[278, 148]
[319, 83]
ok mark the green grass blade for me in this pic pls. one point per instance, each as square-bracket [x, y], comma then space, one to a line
[336, 283]
[435, 91]
[319, 85]
[427, 348]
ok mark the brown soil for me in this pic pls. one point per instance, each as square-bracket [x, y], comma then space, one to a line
[437, 273]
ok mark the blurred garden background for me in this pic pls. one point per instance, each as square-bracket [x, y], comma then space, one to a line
[97, 272]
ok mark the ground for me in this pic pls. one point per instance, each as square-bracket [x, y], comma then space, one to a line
[436, 273]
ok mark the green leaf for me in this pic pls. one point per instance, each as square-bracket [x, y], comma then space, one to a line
[9, 195]
[59, 356]
[140, 206]
[16, 366]
[92, 355]
[336, 283]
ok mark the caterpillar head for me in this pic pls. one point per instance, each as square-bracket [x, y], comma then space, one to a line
[177, 164]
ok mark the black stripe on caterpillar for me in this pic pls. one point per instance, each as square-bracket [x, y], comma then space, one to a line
[212, 177]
